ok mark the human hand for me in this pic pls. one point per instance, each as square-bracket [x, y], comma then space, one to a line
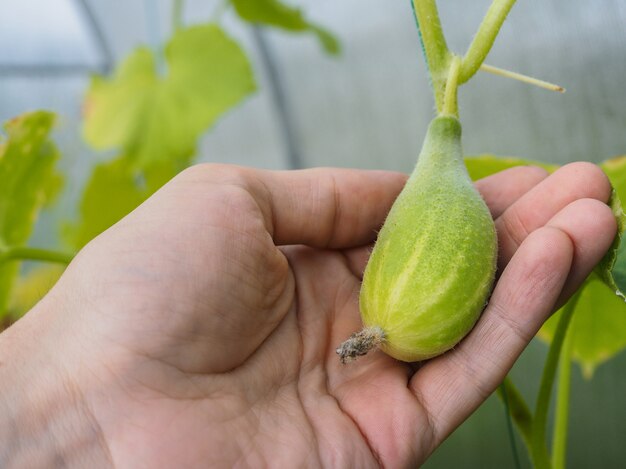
[201, 330]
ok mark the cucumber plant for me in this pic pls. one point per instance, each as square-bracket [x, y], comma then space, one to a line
[136, 113]
[413, 304]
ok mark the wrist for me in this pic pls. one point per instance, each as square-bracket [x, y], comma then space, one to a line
[44, 421]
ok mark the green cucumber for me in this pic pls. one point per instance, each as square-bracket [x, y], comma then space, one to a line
[432, 268]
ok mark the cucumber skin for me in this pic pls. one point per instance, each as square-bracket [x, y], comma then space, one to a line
[433, 266]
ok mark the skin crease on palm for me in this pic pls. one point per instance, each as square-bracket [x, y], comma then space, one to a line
[201, 330]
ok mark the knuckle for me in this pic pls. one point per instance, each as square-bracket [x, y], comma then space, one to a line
[507, 321]
[472, 371]
[219, 173]
[535, 172]
[548, 262]
[513, 226]
[594, 206]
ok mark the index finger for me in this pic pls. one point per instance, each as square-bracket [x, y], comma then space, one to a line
[344, 208]
[329, 208]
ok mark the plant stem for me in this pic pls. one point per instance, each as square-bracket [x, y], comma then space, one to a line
[35, 254]
[561, 419]
[219, 9]
[484, 39]
[154, 35]
[177, 14]
[539, 450]
[450, 104]
[509, 425]
[434, 46]
[518, 409]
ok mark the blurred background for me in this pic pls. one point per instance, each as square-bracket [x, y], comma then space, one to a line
[367, 108]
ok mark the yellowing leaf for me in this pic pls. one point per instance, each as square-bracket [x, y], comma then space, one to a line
[275, 13]
[159, 118]
[112, 192]
[32, 287]
[486, 165]
[114, 109]
[27, 174]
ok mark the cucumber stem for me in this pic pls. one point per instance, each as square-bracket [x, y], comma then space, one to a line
[484, 39]
[561, 419]
[509, 425]
[360, 343]
[439, 59]
[518, 409]
[539, 449]
[450, 104]
[433, 45]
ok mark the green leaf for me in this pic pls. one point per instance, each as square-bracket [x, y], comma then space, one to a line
[113, 191]
[31, 287]
[27, 181]
[598, 325]
[275, 13]
[158, 118]
[110, 194]
[485, 165]
[612, 268]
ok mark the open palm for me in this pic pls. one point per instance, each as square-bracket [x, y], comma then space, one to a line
[204, 325]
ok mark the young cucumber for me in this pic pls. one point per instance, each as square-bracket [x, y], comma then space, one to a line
[433, 266]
